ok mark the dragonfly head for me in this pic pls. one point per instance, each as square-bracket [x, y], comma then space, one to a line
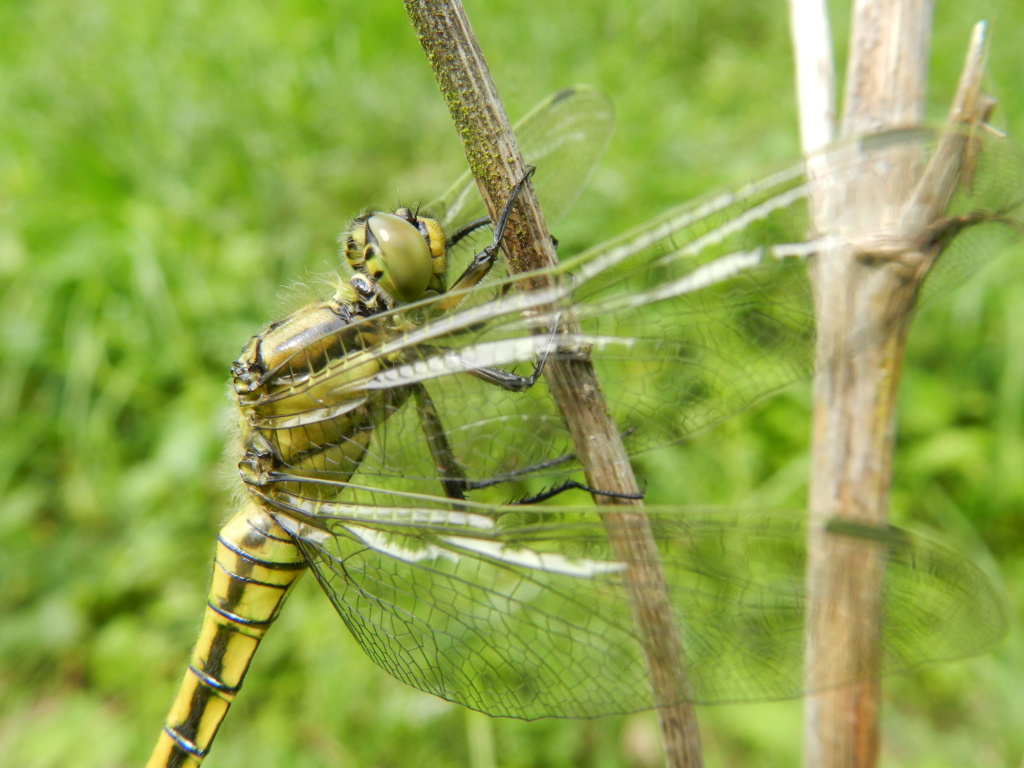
[403, 254]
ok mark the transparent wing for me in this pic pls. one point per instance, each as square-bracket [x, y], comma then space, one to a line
[521, 612]
[564, 136]
[688, 320]
[524, 614]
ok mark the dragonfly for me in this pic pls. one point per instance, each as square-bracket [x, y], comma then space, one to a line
[383, 432]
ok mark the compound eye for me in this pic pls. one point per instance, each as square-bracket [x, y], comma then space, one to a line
[404, 269]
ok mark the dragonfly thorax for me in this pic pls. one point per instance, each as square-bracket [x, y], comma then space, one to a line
[401, 253]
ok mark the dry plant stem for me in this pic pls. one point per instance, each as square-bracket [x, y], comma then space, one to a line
[815, 73]
[854, 392]
[865, 288]
[494, 158]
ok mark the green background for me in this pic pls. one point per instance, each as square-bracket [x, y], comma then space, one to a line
[167, 167]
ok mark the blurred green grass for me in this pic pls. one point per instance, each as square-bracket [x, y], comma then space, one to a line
[165, 168]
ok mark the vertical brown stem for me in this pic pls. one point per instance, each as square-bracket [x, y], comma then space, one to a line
[865, 288]
[494, 158]
[860, 303]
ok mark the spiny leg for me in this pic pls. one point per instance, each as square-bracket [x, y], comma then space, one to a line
[483, 261]
[574, 485]
[453, 476]
[510, 382]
